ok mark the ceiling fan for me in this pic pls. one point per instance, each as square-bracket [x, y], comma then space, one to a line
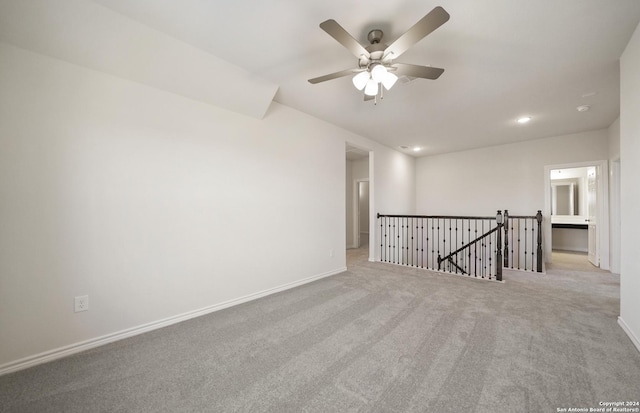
[376, 67]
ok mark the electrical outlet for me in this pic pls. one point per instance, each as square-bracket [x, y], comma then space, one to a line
[81, 303]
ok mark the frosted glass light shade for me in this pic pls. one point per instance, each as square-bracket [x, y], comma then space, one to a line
[389, 80]
[372, 88]
[360, 80]
[378, 73]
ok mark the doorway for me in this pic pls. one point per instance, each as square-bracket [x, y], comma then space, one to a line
[577, 205]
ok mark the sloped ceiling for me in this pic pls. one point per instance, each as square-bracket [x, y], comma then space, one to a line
[87, 34]
[502, 59]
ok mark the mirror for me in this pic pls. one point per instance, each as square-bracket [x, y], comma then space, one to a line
[565, 197]
[564, 200]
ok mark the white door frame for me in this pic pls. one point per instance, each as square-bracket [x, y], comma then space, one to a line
[593, 226]
[602, 195]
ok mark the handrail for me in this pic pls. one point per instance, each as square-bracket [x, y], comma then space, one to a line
[459, 268]
[498, 230]
[468, 245]
[433, 216]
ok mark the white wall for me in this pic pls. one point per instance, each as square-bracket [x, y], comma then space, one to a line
[570, 239]
[630, 190]
[481, 181]
[360, 169]
[614, 194]
[154, 205]
[399, 185]
[396, 195]
[614, 140]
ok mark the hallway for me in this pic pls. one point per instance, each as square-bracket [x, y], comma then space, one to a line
[569, 260]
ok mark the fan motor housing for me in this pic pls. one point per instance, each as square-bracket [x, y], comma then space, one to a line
[375, 36]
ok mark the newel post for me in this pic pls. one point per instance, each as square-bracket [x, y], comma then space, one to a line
[499, 246]
[539, 251]
[506, 238]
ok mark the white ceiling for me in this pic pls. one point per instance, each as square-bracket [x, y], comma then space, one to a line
[502, 59]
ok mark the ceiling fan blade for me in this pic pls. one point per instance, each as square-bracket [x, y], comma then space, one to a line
[425, 72]
[336, 31]
[335, 75]
[434, 19]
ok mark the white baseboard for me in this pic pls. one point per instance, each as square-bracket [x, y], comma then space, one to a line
[625, 327]
[65, 351]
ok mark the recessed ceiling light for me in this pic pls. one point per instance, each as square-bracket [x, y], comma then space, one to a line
[583, 108]
[524, 119]
[417, 149]
[403, 147]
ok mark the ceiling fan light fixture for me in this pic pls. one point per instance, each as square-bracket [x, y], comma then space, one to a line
[377, 59]
[389, 80]
[378, 73]
[372, 88]
[360, 80]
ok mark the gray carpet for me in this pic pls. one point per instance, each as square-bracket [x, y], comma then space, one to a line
[377, 338]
